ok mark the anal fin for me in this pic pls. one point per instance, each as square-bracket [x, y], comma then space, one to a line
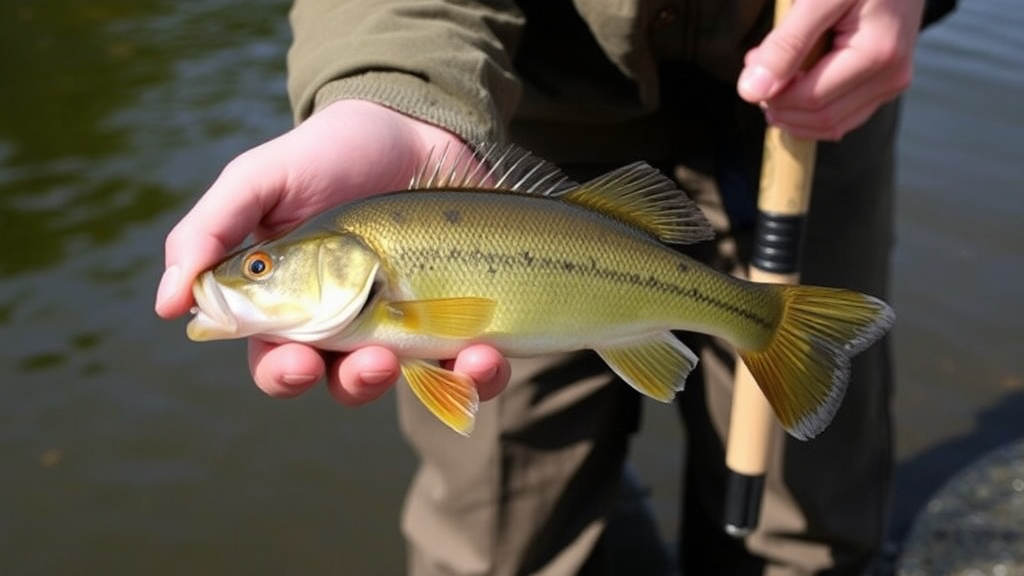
[450, 396]
[656, 366]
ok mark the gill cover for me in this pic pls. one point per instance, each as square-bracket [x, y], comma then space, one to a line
[346, 272]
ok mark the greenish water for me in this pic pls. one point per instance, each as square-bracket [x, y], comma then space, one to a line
[126, 449]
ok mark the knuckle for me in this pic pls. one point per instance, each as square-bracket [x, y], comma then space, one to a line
[818, 105]
[240, 164]
[889, 53]
[823, 120]
[790, 44]
[788, 47]
[902, 79]
[175, 238]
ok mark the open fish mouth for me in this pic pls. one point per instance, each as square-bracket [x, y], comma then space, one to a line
[213, 318]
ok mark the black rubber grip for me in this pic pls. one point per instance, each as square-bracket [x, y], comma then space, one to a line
[742, 503]
[778, 241]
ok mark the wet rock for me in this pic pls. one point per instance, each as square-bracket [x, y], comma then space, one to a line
[974, 526]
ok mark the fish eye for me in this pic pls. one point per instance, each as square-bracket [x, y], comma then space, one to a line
[257, 266]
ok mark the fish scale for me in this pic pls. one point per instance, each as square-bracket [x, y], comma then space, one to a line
[536, 255]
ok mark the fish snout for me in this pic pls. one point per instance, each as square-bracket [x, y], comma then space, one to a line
[213, 318]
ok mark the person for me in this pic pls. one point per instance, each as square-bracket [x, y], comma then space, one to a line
[377, 85]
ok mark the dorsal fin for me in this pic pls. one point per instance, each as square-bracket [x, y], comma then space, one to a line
[493, 167]
[636, 194]
[643, 197]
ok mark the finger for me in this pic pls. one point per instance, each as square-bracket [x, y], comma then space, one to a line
[847, 71]
[833, 120]
[487, 367]
[827, 126]
[363, 376]
[284, 370]
[218, 222]
[836, 132]
[773, 63]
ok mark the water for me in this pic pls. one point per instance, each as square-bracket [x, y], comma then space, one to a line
[124, 448]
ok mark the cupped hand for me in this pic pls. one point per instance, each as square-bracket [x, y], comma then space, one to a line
[348, 150]
[868, 61]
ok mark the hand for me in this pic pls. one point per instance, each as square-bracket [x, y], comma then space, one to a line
[348, 150]
[868, 62]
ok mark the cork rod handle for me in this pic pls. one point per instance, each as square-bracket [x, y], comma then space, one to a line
[787, 171]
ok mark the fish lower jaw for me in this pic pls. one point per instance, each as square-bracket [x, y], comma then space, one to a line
[203, 328]
[212, 318]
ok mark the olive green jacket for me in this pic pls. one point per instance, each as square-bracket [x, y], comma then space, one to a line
[475, 67]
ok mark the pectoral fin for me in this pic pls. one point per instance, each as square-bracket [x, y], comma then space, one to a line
[444, 317]
[656, 366]
[450, 396]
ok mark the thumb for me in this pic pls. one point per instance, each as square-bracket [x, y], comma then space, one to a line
[770, 66]
[228, 212]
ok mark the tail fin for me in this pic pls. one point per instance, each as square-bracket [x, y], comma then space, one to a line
[804, 370]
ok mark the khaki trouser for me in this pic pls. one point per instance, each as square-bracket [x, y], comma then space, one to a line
[531, 490]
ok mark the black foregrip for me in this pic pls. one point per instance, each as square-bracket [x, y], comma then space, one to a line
[779, 238]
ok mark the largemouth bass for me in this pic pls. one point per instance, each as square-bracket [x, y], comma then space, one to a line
[517, 256]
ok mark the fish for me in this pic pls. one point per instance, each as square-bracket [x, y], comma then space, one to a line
[500, 247]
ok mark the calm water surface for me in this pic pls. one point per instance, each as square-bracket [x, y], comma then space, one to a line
[126, 449]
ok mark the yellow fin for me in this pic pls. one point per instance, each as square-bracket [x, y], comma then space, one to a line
[445, 317]
[643, 197]
[450, 396]
[656, 366]
[804, 370]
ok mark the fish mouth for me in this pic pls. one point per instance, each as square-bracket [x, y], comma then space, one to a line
[213, 319]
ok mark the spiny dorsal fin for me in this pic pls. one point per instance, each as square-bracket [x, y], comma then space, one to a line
[636, 194]
[493, 167]
[641, 196]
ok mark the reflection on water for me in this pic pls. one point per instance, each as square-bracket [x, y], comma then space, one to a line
[126, 449]
[111, 102]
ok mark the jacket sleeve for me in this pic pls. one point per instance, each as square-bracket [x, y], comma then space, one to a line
[448, 63]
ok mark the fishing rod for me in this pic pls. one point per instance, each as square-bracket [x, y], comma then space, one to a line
[784, 195]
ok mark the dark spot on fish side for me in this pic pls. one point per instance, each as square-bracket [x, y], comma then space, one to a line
[398, 217]
[452, 216]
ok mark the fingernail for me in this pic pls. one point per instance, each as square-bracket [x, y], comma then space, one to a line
[756, 83]
[168, 287]
[298, 379]
[377, 377]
